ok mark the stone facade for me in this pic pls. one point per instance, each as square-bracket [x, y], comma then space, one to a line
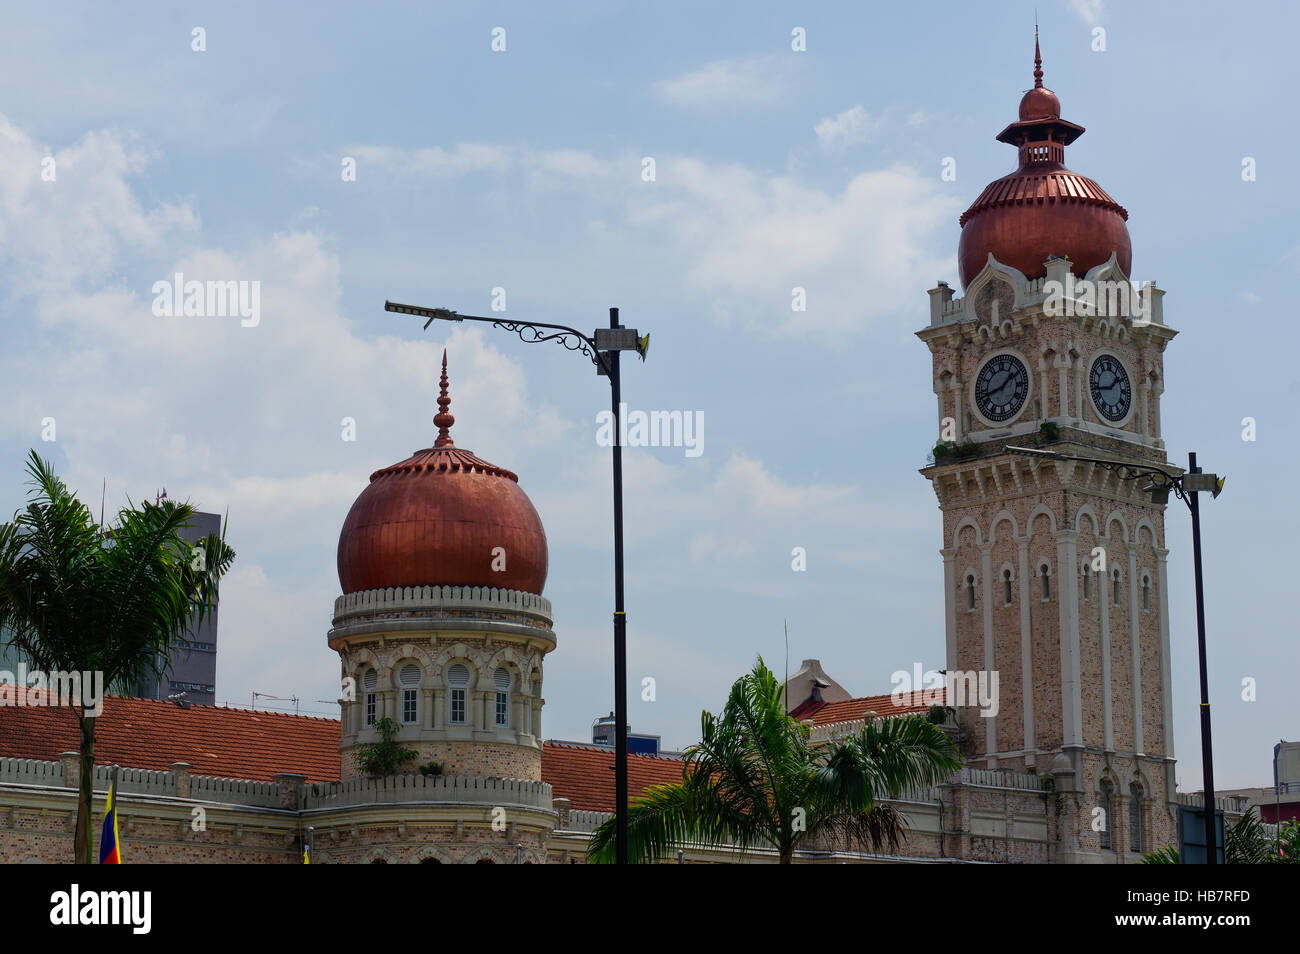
[1055, 570]
[458, 668]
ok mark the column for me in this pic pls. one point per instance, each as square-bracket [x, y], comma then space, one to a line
[1162, 555]
[950, 606]
[990, 724]
[1068, 599]
[1063, 375]
[1135, 641]
[1103, 608]
[1027, 648]
[439, 708]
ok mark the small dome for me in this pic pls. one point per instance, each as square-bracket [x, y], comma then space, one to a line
[1040, 103]
[442, 517]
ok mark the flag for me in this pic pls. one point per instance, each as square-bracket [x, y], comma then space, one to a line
[110, 849]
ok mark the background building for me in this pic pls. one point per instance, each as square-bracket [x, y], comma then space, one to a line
[193, 662]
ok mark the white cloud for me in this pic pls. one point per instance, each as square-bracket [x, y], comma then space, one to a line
[741, 239]
[55, 235]
[1089, 11]
[740, 82]
[853, 125]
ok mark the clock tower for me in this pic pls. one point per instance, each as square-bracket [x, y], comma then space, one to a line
[1055, 571]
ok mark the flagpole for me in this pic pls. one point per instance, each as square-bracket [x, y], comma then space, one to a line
[112, 789]
[108, 834]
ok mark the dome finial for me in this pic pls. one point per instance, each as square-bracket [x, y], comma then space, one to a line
[443, 419]
[1038, 59]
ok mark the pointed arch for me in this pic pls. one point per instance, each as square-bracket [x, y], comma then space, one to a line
[1087, 511]
[967, 522]
[1003, 516]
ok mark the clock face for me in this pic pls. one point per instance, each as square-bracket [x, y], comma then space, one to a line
[1001, 388]
[1112, 393]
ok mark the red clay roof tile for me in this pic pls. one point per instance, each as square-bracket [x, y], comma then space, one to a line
[585, 775]
[145, 733]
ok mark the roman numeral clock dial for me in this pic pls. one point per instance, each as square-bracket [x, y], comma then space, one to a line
[1112, 393]
[1001, 388]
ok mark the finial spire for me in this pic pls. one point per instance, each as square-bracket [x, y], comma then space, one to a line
[443, 419]
[1038, 60]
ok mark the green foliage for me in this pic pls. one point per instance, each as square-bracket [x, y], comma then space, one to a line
[1049, 432]
[432, 768]
[76, 596]
[386, 756]
[937, 714]
[756, 779]
[950, 452]
[1168, 855]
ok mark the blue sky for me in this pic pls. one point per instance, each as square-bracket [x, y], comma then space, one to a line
[522, 169]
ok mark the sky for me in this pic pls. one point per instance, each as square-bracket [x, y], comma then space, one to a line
[522, 169]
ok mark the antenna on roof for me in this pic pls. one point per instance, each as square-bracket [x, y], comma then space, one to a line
[785, 694]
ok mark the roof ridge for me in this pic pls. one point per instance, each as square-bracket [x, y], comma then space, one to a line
[205, 705]
[448, 459]
[1044, 185]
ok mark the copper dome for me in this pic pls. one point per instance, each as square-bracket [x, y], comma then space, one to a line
[438, 519]
[1042, 208]
[1040, 103]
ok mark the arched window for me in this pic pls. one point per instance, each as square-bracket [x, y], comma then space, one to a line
[409, 679]
[1047, 583]
[1006, 586]
[370, 682]
[430, 861]
[1135, 817]
[1107, 791]
[458, 680]
[501, 682]
[1146, 593]
[1115, 586]
[970, 592]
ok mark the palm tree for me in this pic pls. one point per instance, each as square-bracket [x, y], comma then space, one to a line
[757, 780]
[79, 597]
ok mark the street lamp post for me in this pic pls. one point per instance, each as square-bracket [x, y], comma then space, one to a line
[1187, 488]
[603, 347]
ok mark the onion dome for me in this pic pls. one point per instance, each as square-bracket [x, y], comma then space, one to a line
[442, 517]
[1042, 208]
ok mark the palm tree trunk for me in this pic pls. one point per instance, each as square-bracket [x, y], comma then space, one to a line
[84, 838]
